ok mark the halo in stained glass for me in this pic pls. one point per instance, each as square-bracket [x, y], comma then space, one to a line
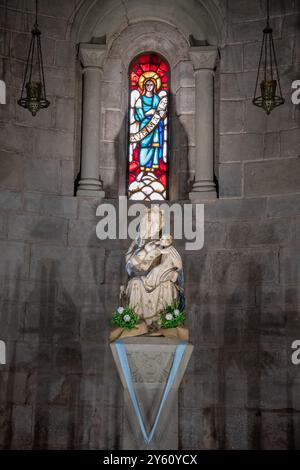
[148, 128]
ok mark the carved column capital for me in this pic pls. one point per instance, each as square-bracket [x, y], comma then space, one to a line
[92, 55]
[204, 57]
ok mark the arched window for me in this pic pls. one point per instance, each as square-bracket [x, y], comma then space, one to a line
[148, 153]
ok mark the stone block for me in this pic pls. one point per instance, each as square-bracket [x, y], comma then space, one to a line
[59, 82]
[112, 70]
[240, 147]
[94, 391]
[284, 117]
[183, 75]
[237, 424]
[271, 145]
[87, 208]
[67, 263]
[290, 265]
[235, 209]
[14, 260]
[185, 101]
[11, 171]
[217, 294]
[231, 116]
[237, 86]
[53, 144]
[26, 356]
[65, 54]
[10, 200]
[283, 47]
[3, 225]
[252, 30]
[203, 364]
[232, 58]
[230, 179]
[52, 425]
[83, 233]
[42, 119]
[92, 322]
[243, 10]
[197, 429]
[67, 175]
[290, 143]
[274, 294]
[111, 95]
[283, 206]
[60, 206]
[83, 293]
[28, 291]
[198, 392]
[115, 272]
[196, 266]
[4, 41]
[14, 388]
[109, 152]
[240, 234]
[272, 177]
[64, 114]
[55, 8]
[16, 138]
[20, 47]
[113, 125]
[42, 175]
[275, 430]
[38, 228]
[51, 322]
[22, 424]
[245, 266]
[11, 320]
[188, 123]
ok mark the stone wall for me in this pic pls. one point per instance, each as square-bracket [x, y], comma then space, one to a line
[59, 283]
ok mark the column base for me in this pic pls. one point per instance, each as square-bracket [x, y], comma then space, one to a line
[203, 191]
[90, 187]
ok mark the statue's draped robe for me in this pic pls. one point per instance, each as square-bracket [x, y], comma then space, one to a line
[154, 280]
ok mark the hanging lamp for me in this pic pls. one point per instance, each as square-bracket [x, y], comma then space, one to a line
[270, 95]
[33, 95]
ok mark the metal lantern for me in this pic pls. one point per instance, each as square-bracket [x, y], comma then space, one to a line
[33, 95]
[270, 89]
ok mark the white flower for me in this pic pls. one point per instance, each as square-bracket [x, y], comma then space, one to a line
[169, 316]
[120, 310]
[176, 312]
[126, 318]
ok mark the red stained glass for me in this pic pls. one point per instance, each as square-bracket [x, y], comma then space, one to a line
[148, 136]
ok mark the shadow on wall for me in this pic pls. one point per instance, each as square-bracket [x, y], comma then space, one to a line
[58, 389]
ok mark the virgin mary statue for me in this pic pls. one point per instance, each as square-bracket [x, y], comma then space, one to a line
[154, 267]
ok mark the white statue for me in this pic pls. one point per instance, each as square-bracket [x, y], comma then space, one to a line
[154, 267]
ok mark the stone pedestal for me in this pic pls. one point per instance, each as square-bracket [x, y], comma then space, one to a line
[150, 360]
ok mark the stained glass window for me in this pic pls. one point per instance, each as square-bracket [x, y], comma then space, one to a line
[148, 128]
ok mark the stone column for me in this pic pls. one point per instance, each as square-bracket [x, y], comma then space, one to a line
[204, 62]
[92, 58]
